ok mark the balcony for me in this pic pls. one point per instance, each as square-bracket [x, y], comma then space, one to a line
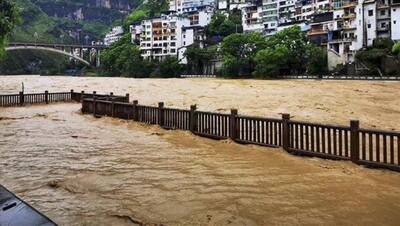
[349, 16]
[386, 28]
[349, 27]
[317, 32]
[349, 5]
[383, 17]
[395, 2]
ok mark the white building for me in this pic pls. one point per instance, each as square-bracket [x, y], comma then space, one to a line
[136, 31]
[170, 35]
[383, 18]
[395, 20]
[113, 36]
[286, 11]
[251, 18]
[182, 6]
[269, 16]
[161, 37]
[370, 29]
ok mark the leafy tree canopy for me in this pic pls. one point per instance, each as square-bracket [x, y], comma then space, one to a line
[222, 25]
[396, 49]
[9, 18]
[198, 58]
[147, 10]
[239, 50]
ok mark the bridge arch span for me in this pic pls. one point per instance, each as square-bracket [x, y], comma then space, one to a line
[12, 48]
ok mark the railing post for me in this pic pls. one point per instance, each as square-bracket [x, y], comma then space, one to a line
[285, 131]
[193, 119]
[127, 97]
[46, 97]
[94, 94]
[82, 94]
[135, 110]
[233, 126]
[94, 105]
[354, 141]
[112, 108]
[161, 113]
[72, 94]
[21, 98]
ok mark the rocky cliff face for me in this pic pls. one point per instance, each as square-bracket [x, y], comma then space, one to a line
[103, 11]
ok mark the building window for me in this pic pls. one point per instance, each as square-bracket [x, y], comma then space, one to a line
[369, 25]
[383, 12]
[383, 25]
[370, 12]
[394, 22]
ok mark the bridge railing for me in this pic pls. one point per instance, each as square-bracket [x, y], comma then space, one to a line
[57, 45]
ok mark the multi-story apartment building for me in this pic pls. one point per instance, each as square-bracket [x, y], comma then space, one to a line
[182, 6]
[383, 18]
[251, 17]
[286, 11]
[341, 26]
[237, 4]
[161, 37]
[269, 15]
[170, 34]
[395, 19]
[320, 28]
[113, 36]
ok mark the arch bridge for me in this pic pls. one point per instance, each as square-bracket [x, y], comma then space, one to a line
[87, 54]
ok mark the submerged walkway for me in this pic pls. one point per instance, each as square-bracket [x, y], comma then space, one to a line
[80, 170]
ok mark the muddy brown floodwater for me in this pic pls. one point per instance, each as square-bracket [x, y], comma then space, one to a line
[79, 170]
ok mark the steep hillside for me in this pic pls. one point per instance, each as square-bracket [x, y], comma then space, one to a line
[70, 21]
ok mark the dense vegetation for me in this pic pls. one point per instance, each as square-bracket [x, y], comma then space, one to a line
[287, 52]
[48, 21]
[9, 18]
[382, 58]
[147, 10]
[222, 25]
[40, 27]
[124, 59]
[36, 62]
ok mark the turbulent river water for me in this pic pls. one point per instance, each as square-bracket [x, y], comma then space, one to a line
[80, 170]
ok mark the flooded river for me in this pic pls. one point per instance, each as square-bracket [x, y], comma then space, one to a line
[79, 170]
[376, 104]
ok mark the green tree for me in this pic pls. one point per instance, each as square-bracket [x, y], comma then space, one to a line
[124, 59]
[372, 58]
[136, 17]
[317, 60]
[396, 49]
[148, 9]
[289, 52]
[221, 25]
[383, 43]
[9, 18]
[297, 44]
[238, 51]
[169, 68]
[198, 58]
[271, 62]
